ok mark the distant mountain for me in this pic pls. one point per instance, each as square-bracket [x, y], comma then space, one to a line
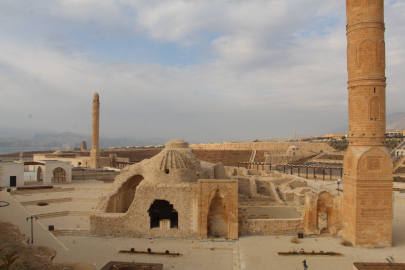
[396, 121]
[68, 140]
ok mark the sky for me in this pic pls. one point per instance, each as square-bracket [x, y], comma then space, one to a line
[200, 70]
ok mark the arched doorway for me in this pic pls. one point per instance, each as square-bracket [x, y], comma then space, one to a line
[217, 219]
[324, 212]
[162, 210]
[122, 200]
[40, 176]
[59, 175]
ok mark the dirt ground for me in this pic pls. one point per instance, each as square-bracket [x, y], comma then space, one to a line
[253, 252]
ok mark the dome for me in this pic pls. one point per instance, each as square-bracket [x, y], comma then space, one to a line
[58, 152]
[176, 143]
[173, 159]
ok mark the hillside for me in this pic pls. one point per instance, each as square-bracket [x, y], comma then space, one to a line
[65, 141]
[396, 121]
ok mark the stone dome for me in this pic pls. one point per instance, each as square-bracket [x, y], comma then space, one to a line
[173, 159]
[176, 143]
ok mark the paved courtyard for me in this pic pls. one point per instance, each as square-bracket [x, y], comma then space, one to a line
[68, 211]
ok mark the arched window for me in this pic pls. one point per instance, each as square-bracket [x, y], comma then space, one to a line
[375, 109]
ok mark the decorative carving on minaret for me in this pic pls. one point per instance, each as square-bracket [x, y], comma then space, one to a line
[367, 198]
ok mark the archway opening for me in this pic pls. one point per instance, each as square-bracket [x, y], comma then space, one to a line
[162, 210]
[174, 219]
[40, 176]
[323, 221]
[324, 212]
[217, 219]
[58, 175]
[122, 200]
[262, 191]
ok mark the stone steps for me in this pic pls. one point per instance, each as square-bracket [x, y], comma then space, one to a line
[315, 158]
[398, 163]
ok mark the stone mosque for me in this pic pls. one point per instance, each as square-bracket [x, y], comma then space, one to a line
[174, 194]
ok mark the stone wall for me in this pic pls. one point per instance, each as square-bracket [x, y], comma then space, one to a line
[277, 147]
[91, 175]
[281, 159]
[226, 157]
[271, 226]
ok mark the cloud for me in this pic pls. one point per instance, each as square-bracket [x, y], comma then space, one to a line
[264, 68]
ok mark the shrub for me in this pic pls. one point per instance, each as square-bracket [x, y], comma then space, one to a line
[42, 203]
[294, 240]
[346, 243]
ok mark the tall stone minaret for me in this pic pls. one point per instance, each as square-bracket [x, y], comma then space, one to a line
[367, 198]
[95, 153]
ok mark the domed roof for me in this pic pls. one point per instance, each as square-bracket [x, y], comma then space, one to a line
[173, 159]
[176, 143]
[58, 152]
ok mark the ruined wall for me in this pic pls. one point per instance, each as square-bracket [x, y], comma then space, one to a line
[91, 175]
[244, 186]
[323, 202]
[136, 222]
[271, 226]
[281, 147]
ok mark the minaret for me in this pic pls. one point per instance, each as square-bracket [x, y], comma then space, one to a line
[95, 153]
[367, 198]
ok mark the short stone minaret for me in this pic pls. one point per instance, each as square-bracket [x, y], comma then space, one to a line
[95, 152]
[367, 198]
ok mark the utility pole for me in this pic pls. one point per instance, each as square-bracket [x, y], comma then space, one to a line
[32, 227]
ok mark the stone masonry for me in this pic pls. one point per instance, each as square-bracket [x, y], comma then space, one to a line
[95, 151]
[367, 200]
